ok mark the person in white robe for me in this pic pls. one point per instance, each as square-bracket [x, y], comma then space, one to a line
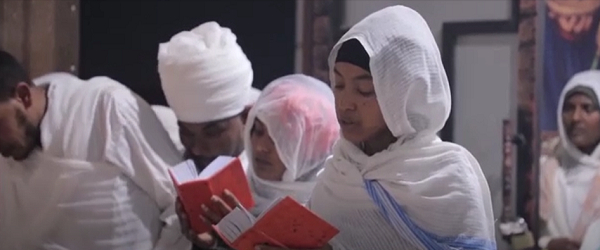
[207, 81]
[288, 136]
[84, 166]
[392, 183]
[570, 179]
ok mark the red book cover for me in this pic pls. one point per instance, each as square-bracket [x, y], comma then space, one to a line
[286, 224]
[195, 189]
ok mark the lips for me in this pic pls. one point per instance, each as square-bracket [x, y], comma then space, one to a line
[261, 161]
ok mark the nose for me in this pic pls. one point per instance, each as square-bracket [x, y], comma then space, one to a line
[260, 144]
[198, 148]
[577, 115]
[344, 102]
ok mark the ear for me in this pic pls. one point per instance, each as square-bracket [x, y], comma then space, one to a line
[245, 113]
[23, 94]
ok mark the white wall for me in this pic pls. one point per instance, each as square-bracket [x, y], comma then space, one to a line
[484, 80]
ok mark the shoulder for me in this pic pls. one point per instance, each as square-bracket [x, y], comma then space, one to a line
[117, 99]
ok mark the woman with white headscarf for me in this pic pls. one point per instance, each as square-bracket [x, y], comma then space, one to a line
[570, 181]
[392, 183]
[289, 133]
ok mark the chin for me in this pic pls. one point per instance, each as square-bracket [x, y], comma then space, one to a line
[21, 156]
[353, 138]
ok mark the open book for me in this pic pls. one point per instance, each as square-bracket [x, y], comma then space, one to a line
[195, 189]
[285, 223]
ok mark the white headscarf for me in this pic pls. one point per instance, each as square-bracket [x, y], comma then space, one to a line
[205, 75]
[590, 79]
[440, 185]
[299, 114]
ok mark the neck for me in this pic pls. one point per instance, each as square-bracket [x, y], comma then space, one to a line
[589, 150]
[38, 109]
[379, 142]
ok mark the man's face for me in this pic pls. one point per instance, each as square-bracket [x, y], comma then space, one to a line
[204, 142]
[581, 119]
[18, 135]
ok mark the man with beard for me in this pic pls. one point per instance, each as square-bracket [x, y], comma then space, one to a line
[570, 181]
[84, 167]
[207, 79]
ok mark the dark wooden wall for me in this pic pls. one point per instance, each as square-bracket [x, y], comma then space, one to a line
[43, 35]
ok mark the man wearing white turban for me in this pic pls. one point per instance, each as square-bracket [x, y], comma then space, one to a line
[84, 166]
[207, 81]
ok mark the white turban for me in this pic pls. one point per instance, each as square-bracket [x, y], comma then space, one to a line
[204, 73]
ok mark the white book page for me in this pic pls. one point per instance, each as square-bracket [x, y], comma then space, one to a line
[184, 172]
[215, 166]
[267, 209]
[235, 223]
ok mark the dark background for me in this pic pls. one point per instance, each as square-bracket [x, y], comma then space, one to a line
[120, 39]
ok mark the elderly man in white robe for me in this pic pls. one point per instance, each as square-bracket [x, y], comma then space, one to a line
[207, 79]
[570, 179]
[84, 167]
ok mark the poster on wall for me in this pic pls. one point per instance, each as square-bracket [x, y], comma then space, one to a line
[569, 125]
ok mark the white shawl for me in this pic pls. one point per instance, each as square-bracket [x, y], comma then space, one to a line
[439, 185]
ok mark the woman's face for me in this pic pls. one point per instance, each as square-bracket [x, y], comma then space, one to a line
[356, 105]
[581, 120]
[267, 164]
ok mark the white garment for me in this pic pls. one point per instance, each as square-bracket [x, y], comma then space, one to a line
[591, 241]
[299, 114]
[204, 73]
[105, 159]
[567, 180]
[253, 96]
[169, 121]
[440, 185]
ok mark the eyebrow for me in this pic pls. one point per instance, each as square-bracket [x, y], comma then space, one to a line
[212, 125]
[364, 77]
[336, 71]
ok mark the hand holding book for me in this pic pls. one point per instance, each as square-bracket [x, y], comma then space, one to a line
[209, 217]
[285, 223]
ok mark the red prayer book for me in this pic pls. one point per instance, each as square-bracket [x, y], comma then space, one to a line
[195, 189]
[286, 224]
